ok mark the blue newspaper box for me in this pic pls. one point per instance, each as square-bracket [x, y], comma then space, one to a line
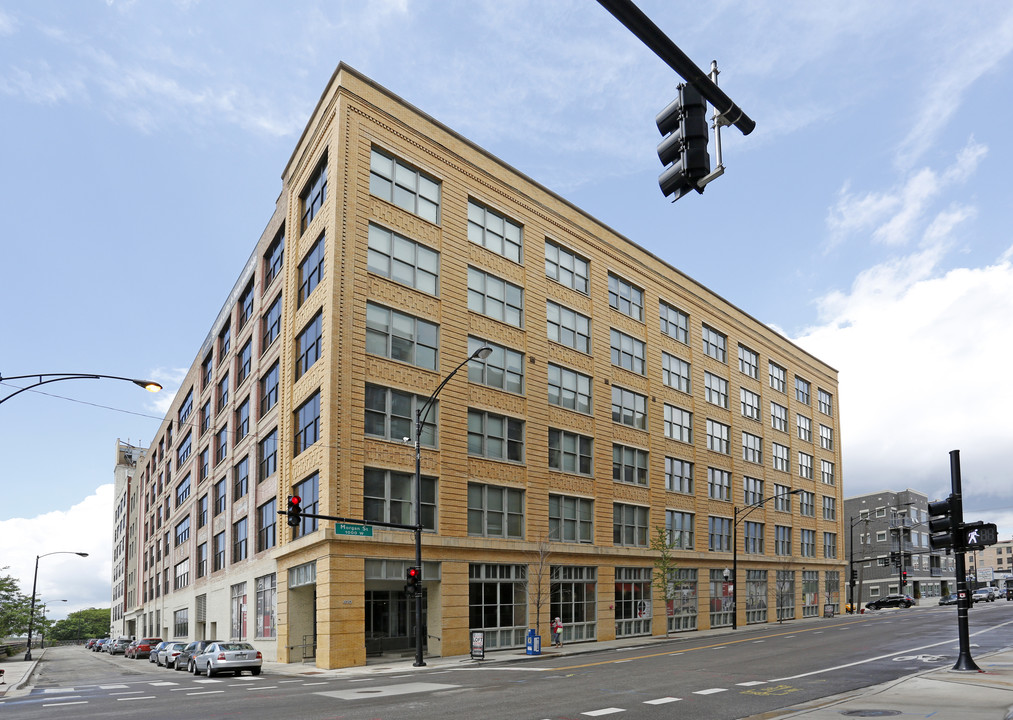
[533, 643]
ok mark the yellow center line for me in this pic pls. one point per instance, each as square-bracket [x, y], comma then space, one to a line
[707, 647]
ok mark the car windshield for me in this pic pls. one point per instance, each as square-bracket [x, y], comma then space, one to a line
[236, 646]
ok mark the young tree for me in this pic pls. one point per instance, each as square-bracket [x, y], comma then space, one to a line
[538, 582]
[664, 569]
[15, 607]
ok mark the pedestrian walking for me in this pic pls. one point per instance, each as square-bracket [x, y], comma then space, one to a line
[557, 632]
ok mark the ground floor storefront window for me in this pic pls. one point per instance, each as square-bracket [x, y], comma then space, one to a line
[633, 601]
[683, 611]
[497, 603]
[810, 593]
[756, 596]
[721, 599]
[785, 594]
[832, 592]
[573, 592]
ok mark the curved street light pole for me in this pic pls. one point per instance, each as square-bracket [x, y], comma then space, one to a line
[420, 418]
[35, 582]
[46, 378]
[739, 517]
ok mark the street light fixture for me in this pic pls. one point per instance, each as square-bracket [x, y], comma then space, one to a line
[45, 378]
[35, 582]
[420, 417]
[739, 517]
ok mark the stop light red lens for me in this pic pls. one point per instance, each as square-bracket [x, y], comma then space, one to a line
[295, 500]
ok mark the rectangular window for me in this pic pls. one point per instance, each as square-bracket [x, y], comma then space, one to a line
[801, 390]
[314, 194]
[569, 389]
[679, 529]
[241, 478]
[626, 297]
[311, 270]
[807, 548]
[629, 465]
[827, 472]
[223, 392]
[629, 525]
[243, 419]
[396, 182]
[675, 372]
[718, 437]
[752, 491]
[805, 465]
[267, 525]
[829, 545]
[307, 345]
[274, 258]
[678, 475]
[222, 444]
[719, 534]
[570, 452]
[205, 417]
[571, 519]
[829, 508]
[202, 510]
[749, 362]
[267, 454]
[805, 428]
[270, 324]
[182, 531]
[389, 496]
[782, 499]
[402, 337]
[404, 261]
[826, 402]
[778, 417]
[245, 305]
[503, 369]
[826, 437]
[752, 448]
[674, 322]
[715, 344]
[495, 511]
[495, 298]
[780, 455]
[390, 413]
[719, 484]
[202, 560]
[750, 403]
[185, 408]
[495, 436]
[566, 268]
[752, 538]
[807, 504]
[628, 352]
[239, 537]
[778, 377]
[307, 423]
[678, 424]
[494, 231]
[224, 342]
[218, 546]
[715, 390]
[568, 327]
[180, 622]
[183, 490]
[266, 602]
[269, 389]
[221, 497]
[309, 492]
[629, 408]
[244, 361]
[782, 540]
[206, 368]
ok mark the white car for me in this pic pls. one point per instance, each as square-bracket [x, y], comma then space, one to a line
[987, 593]
[228, 657]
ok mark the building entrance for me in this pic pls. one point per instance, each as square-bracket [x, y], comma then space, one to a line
[390, 622]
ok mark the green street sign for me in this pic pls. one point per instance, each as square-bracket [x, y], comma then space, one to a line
[353, 529]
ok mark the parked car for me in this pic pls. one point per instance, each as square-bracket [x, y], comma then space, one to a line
[950, 599]
[228, 657]
[190, 651]
[153, 656]
[987, 593]
[143, 647]
[97, 647]
[892, 600]
[131, 648]
[90, 644]
[168, 654]
[118, 646]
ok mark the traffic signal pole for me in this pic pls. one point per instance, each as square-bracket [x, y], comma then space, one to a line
[964, 660]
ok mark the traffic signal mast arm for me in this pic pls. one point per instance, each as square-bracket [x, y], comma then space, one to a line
[358, 521]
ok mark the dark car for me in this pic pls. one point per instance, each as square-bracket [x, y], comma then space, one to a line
[153, 655]
[185, 659]
[893, 600]
[950, 599]
[143, 647]
[118, 646]
[97, 647]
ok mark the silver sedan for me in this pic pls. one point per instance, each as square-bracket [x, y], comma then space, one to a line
[228, 657]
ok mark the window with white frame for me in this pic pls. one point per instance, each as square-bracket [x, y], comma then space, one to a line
[678, 475]
[807, 547]
[679, 529]
[750, 403]
[626, 297]
[778, 377]
[675, 372]
[403, 260]
[715, 390]
[715, 344]
[629, 465]
[495, 298]
[719, 484]
[674, 322]
[494, 436]
[779, 417]
[495, 511]
[752, 448]
[780, 457]
[568, 327]
[826, 437]
[829, 508]
[503, 369]
[629, 408]
[719, 534]
[801, 390]
[782, 498]
[749, 362]
[569, 388]
[752, 490]
[827, 472]
[829, 545]
[627, 352]
[678, 424]
[805, 428]
[826, 402]
[782, 540]
[807, 504]
[399, 336]
[805, 465]
[494, 231]
[393, 180]
[566, 267]
[752, 537]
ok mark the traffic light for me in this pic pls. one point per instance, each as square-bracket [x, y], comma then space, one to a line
[978, 535]
[294, 510]
[413, 578]
[945, 518]
[684, 149]
[894, 557]
[854, 576]
[903, 578]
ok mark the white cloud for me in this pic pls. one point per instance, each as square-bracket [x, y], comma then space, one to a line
[169, 379]
[84, 527]
[8, 24]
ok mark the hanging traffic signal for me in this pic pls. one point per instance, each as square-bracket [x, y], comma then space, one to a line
[294, 510]
[684, 149]
[413, 579]
[903, 578]
[945, 518]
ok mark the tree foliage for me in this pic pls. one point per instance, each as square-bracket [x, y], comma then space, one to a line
[15, 607]
[93, 622]
[665, 566]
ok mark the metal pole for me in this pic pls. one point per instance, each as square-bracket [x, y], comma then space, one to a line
[419, 662]
[31, 614]
[735, 571]
[851, 565]
[964, 659]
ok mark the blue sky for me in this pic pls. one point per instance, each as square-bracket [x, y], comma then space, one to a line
[867, 217]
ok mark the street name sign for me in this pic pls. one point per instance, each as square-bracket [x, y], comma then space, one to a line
[353, 529]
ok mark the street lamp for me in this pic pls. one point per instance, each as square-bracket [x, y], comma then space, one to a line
[739, 517]
[45, 378]
[44, 608]
[420, 417]
[851, 559]
[35, 581]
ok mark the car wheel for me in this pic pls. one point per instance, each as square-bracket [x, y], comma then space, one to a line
[255, 671]
[193, 668]
[208, 671]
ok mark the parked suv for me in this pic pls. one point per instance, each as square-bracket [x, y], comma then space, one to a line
[145, 646]
[119, 646]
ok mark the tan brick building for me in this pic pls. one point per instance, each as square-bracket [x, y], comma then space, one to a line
[397, 249]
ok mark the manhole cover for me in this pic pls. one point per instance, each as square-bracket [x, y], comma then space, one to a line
[871, 713]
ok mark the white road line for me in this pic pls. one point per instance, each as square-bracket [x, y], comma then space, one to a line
[111, 687]
[758, 641]
[288, 681]
[161, 683]
[263, 687]
[603, 711]
[143, 697]
[60, 704]
[206, 692]
[313, 683]
[751, 683]
[127, 692]
[711, 691]
[719, 647]
[60, 690]
[661, 701]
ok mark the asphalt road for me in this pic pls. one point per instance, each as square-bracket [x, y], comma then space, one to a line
[753, 670]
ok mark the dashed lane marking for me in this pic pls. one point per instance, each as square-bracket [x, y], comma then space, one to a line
[61, 704]
[142, 697]
[386, 690]
[710, 691]
[111, 687]
[751, 683]
[206, 692]
[661, 701]
[603, 711]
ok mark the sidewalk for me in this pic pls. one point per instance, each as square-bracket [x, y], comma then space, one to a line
[17, 672]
